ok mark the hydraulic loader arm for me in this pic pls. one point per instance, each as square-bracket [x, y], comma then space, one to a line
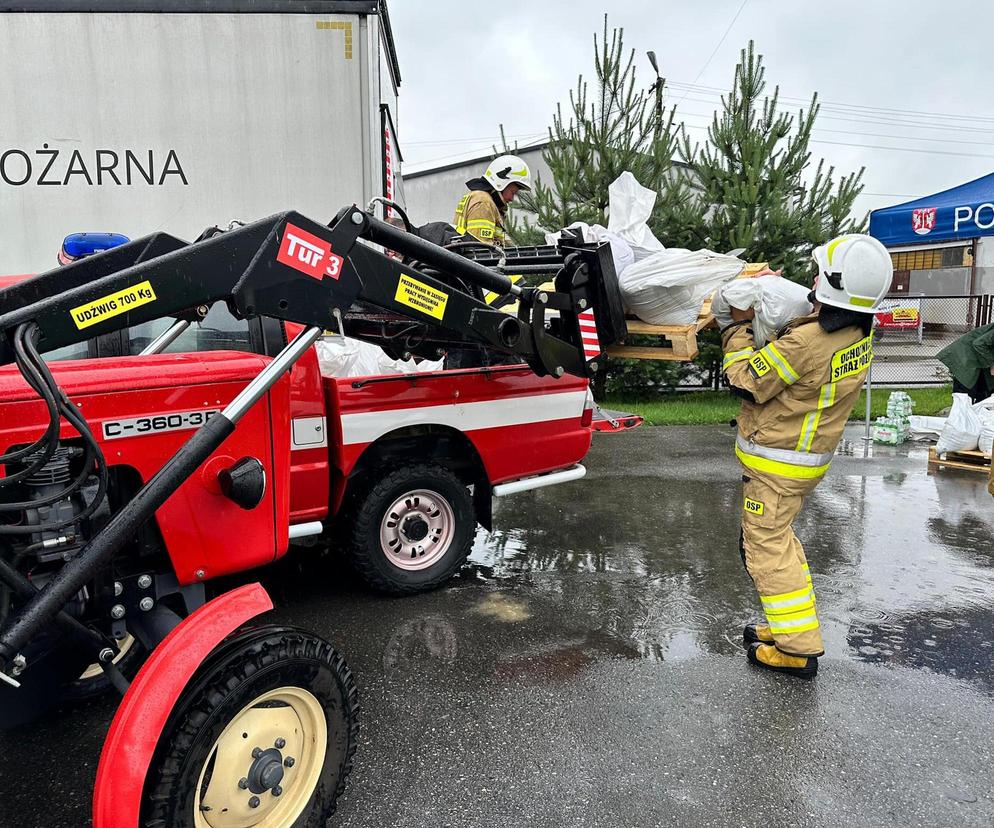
[287, 267]
[292, 268]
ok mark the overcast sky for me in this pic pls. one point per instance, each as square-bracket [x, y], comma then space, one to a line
[894, 75]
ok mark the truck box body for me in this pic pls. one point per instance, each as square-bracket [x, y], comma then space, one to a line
[175, 116]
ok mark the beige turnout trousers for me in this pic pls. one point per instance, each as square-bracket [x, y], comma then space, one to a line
[775, 560]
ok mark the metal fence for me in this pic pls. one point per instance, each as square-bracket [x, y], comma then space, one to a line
[911, 330]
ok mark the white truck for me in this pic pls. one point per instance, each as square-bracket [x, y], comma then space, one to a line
[139, 115]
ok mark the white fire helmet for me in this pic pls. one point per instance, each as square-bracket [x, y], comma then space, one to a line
[508, 169]
[854, 272]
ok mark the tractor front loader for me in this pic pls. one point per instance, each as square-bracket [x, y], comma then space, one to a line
[227, 723]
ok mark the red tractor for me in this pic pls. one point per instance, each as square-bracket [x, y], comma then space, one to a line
[126, 486]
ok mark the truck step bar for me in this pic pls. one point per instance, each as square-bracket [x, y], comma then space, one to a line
[540, 481]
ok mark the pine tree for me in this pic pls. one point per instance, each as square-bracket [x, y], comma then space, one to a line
[753, 188]
[617, 127]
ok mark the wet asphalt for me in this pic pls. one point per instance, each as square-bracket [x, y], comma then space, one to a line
[586, 668]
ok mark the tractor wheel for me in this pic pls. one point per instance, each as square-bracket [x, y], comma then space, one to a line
[263, 737]
[93, 682]
[412, 530]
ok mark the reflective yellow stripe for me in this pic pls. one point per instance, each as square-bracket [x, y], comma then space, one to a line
[835, 243]
[782, 366]
[776, 467]
[826, 397]
[460, 210]
[809, 621]
[808, 429]
[736, 356]
[786, 599]
[474, 224]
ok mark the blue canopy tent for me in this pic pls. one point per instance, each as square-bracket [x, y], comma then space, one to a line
[962, 213]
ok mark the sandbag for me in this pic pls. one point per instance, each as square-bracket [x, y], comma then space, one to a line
[630, 205]
[926, 428]
[621, 251]
[962, 429]
[345, 357]
[775, 300]
[669, 287]
[986, 440]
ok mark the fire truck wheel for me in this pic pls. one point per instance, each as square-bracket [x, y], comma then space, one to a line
[263, 737]
[412, 530]
[93, 682]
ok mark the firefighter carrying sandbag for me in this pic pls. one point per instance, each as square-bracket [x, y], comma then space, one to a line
[798, 391]
[481, 213]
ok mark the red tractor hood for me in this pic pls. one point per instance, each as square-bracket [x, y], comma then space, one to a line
[133, 373]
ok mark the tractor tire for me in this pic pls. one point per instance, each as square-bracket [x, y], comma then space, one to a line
[94, 683]
[412, 530]
[264, 735]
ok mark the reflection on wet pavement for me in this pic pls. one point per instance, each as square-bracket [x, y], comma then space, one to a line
[586, 668]
[903, 561]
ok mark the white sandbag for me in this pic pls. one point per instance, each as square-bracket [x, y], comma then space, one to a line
[986, 439]
[985, 406]
[669, 287]
[775, 300]
[962, 429]
[926, 428]
[344, 357]
[630, 205]
[621, 251]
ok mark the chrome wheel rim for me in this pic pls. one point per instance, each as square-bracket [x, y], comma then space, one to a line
[417, 530]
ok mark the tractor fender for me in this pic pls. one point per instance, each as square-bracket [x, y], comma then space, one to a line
[142, 714]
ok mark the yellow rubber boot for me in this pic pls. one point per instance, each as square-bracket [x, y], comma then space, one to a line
[757, 632]
[770, 658]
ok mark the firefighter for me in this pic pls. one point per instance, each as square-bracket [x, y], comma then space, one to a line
[798, 392]
[481, 212]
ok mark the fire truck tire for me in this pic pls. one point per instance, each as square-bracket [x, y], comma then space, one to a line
[412, 530]
[263, 736]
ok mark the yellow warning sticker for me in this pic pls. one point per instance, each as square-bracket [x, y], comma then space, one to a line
[107, 307]
[760, 367]
[754, 507]
[421, 297]
[492, 297]
[852, 360]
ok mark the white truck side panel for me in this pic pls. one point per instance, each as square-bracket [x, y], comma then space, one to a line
[231, 116]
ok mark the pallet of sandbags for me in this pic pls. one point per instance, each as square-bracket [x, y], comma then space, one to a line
[675, 343]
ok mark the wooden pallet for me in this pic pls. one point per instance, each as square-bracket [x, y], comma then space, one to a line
[974, 461]
[678, 342]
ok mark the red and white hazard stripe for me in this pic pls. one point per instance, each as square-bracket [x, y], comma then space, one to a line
[588, 333]
[388, 161]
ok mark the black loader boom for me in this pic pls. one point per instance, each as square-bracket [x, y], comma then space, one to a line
[291, 268]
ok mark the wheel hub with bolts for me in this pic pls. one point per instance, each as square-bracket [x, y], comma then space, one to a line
[263, 768]
[417, 529]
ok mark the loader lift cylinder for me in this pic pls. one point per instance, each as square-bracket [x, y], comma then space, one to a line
[45, 605]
